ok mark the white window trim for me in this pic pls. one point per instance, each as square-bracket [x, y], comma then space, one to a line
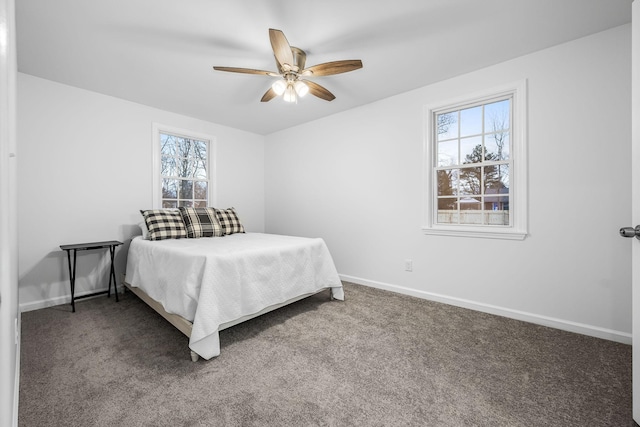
[518, 229]
[158, 128]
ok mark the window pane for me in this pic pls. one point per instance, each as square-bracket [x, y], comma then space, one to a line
[448, 153]
[200, 150]
[496, 200]
[497, 211]
[186, 189]
[469, 203]
[492, 183]
[168, 166]
[185, 203]
[448, 182]
[447, 203]
[471, 150]
[200, 204]
[167, 145]
[503, 176]
[200, 190]
[447, 125]
[470, 179]
[189, 166]
[470, 210]
[496, 116]
[169, 189]
[200, 169]
[168, 204]
[185, 147]
[471, 121]
[496, 146]
[447, 210]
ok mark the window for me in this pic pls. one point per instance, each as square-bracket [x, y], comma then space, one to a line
[475, 166]
[182, 168]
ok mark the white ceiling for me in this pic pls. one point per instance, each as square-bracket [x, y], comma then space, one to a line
[160, 53]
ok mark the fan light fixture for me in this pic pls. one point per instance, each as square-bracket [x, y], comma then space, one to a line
[279, 86]
[301, 88]
[290, 90]
[289, 94]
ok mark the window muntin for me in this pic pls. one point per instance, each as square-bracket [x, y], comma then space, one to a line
[472, 164]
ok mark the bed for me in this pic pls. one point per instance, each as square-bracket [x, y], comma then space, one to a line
[204, 285]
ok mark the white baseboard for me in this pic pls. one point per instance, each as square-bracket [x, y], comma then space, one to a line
[565, 325]
[50, 302]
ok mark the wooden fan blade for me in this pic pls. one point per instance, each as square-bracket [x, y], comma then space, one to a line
[269, 95]
[334, 67]
[281, 48]
[319, 91]
[246, 71]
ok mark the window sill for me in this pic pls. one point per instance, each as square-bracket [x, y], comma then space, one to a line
[504, 234]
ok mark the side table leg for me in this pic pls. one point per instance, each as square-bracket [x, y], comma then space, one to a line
[112, 274]
[72, 278]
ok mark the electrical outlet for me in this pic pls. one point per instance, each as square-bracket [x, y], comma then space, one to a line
[408, 265]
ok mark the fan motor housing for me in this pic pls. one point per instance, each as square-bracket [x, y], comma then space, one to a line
[299, 57]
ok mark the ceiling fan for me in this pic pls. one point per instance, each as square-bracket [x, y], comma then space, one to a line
[291, 68]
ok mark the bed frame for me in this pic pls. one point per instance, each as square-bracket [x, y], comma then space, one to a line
[185, 326]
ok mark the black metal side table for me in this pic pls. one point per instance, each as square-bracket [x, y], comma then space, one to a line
[111, 245]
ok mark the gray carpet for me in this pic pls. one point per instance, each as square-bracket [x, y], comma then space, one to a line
[377, 359]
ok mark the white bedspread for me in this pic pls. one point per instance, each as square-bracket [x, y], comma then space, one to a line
[211, 281]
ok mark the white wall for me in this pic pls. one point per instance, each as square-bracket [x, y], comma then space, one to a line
[355, 179]
[85, 172]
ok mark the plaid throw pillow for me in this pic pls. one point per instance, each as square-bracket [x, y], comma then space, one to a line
[201, 222]
[164, 224]
[229, 221]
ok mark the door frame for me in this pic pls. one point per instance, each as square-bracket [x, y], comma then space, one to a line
[635, 202]
[9, 316]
